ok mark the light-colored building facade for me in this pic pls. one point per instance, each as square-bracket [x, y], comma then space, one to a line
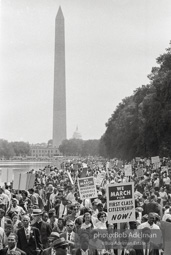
[42, 151]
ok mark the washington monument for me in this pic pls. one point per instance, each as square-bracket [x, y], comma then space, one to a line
[59, 100]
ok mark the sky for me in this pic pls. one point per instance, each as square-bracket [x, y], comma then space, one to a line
[111, 47]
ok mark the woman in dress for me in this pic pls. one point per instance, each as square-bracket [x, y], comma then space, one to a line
[87, 222]
[102, 217]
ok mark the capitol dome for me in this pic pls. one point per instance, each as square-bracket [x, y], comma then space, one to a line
[76, 134]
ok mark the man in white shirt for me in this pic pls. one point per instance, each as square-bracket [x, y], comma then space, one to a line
[61, 209]
[16, 208]
[150, 223]
[69, 235]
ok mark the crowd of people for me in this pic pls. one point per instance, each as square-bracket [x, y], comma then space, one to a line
[50, 218]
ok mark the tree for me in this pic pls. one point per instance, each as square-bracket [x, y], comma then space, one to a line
[141, 123]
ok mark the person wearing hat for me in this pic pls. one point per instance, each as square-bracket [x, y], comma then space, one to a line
[58, 247]
[44, 227]
[29, 238]
[53, 236]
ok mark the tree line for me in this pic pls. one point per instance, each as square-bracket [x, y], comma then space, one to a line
[10, 149]
[141, 123]
[78, 147]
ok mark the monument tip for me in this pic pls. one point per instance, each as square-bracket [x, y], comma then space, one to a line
[59, 13]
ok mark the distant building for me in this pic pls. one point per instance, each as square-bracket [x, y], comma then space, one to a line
[76, 134]
[43, 151]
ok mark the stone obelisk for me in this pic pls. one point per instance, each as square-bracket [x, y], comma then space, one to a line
[59, 100]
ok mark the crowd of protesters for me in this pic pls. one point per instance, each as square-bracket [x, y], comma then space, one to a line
[50, 218]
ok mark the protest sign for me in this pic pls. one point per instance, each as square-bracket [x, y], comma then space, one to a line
[155, 159]
[140, 172]
[30, 181]
[137, 159]
[87, 187]
[119, 163]
[128, 170]
[83, 173]
[120, 202]
[7, 175]
[23, 181]
[75, 167]
[58, 164]
[70, 178]
[99, 178]
[148, 162]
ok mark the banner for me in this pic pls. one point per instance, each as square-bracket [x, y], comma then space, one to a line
[155, 159]
[87, 188]
[120, 202]
[7, 175]
[128, 170]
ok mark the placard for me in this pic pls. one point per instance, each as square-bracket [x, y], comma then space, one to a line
[23, 181]
[30, 181]
[70, 178]
[128, 170]
[7, 175]
[140, 172]
[87, 187]
[83, 173]
[155, 159]
[99, 178]
[120, 202]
